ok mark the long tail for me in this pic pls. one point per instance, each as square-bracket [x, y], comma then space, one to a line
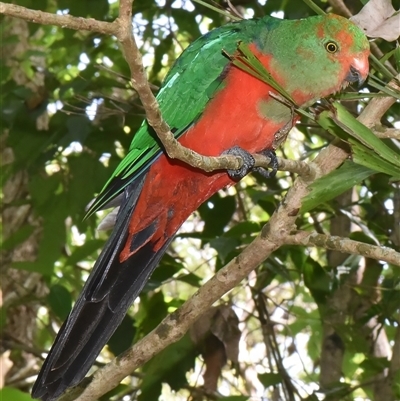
[109, 291]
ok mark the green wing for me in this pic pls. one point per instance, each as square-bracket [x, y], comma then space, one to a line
[192, 81]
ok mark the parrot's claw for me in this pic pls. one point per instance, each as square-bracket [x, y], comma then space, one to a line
[274, 164]
[248, 163]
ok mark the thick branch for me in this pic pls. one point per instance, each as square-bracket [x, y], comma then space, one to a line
[174, 326]
[274, 234]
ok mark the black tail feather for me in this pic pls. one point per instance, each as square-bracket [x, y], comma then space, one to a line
[108, 293]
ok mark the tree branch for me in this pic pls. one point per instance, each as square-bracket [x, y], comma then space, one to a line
[63, 21]
[383, 132]
[275, 233]
[378, 106]
[123, 30]
[174, 326]
[344, 245]
[304, 169]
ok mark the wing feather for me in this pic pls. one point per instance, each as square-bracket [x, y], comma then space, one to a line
[192, 81]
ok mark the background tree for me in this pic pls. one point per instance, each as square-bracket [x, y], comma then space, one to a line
[317, 319]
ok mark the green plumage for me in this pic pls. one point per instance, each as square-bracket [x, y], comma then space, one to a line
[198, 75]
[193, 80]
[212, 105]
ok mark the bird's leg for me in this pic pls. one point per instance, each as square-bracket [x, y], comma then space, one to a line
[274, 164]
[247, 166]
[249, 162]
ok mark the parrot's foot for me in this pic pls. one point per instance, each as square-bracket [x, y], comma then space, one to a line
[274, 164]
[249, 162]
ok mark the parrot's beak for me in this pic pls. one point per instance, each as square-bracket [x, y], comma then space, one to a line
[358, 70]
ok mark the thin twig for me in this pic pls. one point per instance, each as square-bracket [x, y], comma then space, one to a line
[344, 245]
[383, 132]
[378, 106]
[277, 232]
[63, 21]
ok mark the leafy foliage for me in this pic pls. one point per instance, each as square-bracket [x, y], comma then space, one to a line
[68, 113]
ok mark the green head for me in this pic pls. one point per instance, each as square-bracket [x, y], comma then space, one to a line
[315, 56]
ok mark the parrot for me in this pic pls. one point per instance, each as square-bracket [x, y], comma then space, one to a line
[213, 107]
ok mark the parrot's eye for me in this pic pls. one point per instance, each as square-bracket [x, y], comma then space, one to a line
[331, 47]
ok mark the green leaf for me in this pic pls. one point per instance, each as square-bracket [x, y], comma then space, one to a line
[243, 229]
[382, 87]
[123, 337]
[60, 300]
[317, 280]
[216, 213]
[187, 22]
[190, 279]
[368, 149]
[396, 53]
[35, 4]
[363, 134]
[42, 189]
[17, 238]
[3, 316]
[335, 183]
[79, 128]
[374, 365]
[161, 274]
[53, 235]
[224, 246]
[396, 384]
[380, 67]
[37, 267]
[89, 8]
[13, 394]
[249, 63]
[269, 379]
[170, 366]
[80, 253]
[117, 391]
[362, 155]
[152, 311]
[362, 237]
[83, 184]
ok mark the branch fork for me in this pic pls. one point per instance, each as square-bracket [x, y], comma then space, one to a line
[278, 231]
